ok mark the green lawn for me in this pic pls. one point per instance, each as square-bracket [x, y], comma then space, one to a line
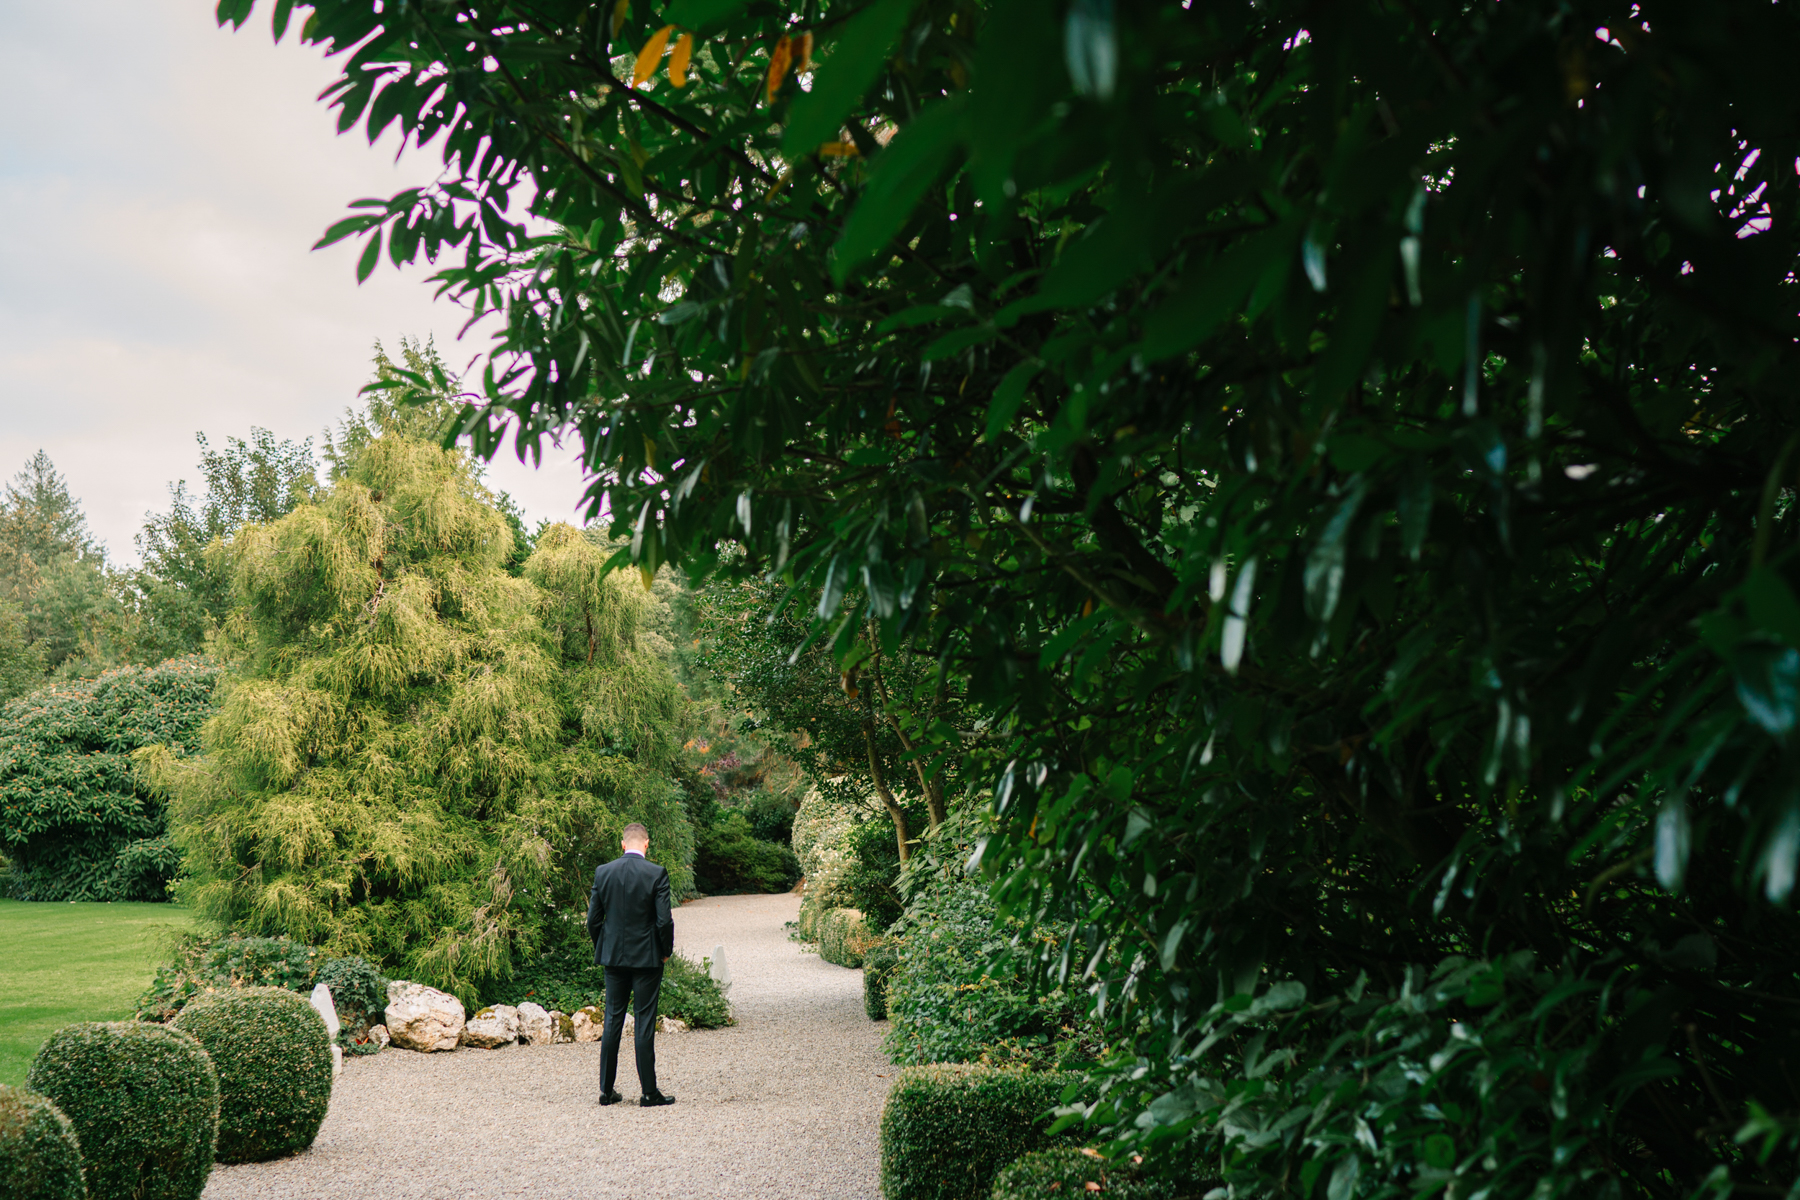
[62, 963]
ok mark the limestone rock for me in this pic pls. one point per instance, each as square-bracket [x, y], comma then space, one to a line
[588, 1023]
[534, 1024]
[562, 1028]
[492, 1028]
[379, 1035]
[719, 969]
[422, 1018]
[337, 1060]
[327, 1008]
[671, 1025]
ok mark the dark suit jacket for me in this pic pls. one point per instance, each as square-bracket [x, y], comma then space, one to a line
[628, 914]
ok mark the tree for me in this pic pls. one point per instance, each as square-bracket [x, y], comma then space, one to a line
[76, 820]
[1344, 451]
[185, 586]
[21, 662]
[400, 768]
[51, 567]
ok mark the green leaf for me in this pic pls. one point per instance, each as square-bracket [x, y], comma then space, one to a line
[370, 255]
[693, 14]
[1190, 316]
[898, 178]
[841, 80]
[1008, 397]
[1440, 1151]
[1674, 841]
[1772, 605]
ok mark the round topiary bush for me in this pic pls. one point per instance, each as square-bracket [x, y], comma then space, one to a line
[40, 1158]
[947, 1129]
[144, 1101]
[1069, 1171]
[273, 1056]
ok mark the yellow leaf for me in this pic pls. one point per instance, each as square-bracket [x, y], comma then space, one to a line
[839, 150]
[649, 452]
[805, 53]
[678, 60]
[650, 55]
[779, 58]
[619, 10]
[647, 575]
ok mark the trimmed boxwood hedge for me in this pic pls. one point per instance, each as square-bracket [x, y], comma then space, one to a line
[1068, 1171]
[844, 937]
[878, 965]
[949, 1128]
[40, 1157]
[273, 1055]
[144, 1100]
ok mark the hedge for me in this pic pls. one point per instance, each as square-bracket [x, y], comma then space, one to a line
[844, 937]
[878, 966]
[144, 1101]
[40, 1157]
[273, 1056]
[948, 1129]
[1069, 1171]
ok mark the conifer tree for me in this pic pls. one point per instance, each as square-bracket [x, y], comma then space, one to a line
[402, 766]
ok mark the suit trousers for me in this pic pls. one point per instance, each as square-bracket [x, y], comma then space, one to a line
[642, 986]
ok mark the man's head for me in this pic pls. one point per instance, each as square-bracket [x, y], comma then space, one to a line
[635, 837]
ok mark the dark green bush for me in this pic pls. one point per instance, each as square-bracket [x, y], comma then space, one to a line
[689, 993]
[872, 873]
[843, 937]
[360, 995]
[878, 965]
[40, 1158]
[565, 978]
[206, 965]
[948, 1129]
[80, 823]
[272, 1053]
[144, 1100]
[729, 859]
[770, 815]
[1066, 1171]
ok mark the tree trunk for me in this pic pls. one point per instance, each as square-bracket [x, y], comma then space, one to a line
[901, 837]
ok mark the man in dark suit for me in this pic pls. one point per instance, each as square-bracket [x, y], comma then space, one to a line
[633, 934]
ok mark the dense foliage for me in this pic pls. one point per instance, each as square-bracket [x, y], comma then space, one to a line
[878, 967]
[203, 965]
[1343, 453]
[1074, 1171]
[272, 1053]
[418, 756]
[144, 1101]
[77, 821]
[359, 994]
[730, 858]
[563, 977]
[40, 1158]
[947, 1130]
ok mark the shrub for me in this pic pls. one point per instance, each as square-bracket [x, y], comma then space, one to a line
[208, 965]
[1072, 1171]
[871, 874]
[273, 1057]
[691, 994]
[878, 965]
[948, 1129]
[80, 823]
[40, 1158]
[565, 978]
[144, 1101]
[822, 829]
[728, 858]
[844, 937]
[771, 816]
[360, 995]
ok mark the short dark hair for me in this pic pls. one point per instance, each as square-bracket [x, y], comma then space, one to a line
[635, 832]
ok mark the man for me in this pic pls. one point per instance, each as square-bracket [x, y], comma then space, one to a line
[633, 934]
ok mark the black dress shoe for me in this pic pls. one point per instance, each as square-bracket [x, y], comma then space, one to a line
[611, 1097]
[657, 1101]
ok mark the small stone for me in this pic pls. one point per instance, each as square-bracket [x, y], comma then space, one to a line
[588, 1023]
[721, 971]
[423, 1019]
[337, 1060]
[379, 1035]
[534, 1024]
[562, 1028]
[492, 1028]
[671, 1025]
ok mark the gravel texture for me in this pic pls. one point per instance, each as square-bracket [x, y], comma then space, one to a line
[784, 1104]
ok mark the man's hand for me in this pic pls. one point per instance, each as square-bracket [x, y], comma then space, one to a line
[665, 958]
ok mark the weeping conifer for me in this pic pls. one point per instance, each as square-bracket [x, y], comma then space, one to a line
[415, 759]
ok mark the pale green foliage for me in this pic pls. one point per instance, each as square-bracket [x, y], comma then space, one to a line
[402, 766]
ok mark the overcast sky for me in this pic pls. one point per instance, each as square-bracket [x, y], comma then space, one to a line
[161, 182]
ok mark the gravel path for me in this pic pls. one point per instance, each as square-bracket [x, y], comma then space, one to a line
[782, 1105]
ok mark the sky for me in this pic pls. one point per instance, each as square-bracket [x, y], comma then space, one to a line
[162, 181]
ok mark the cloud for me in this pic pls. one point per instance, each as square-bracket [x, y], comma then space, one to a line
[162, 182]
